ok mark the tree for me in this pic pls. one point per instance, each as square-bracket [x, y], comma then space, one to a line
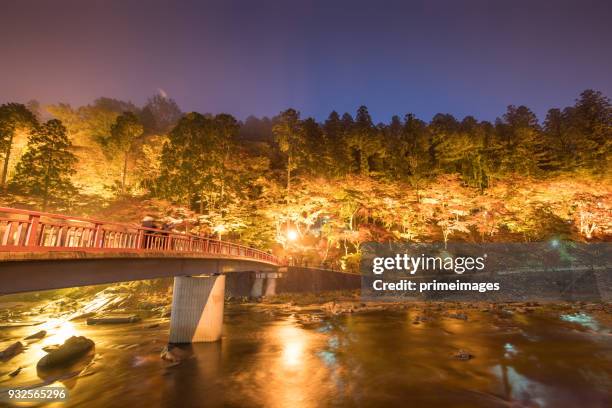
[592, 121]
[227, 128]
[288, 134]
[523, 147]
[46, 167]
[362, 139]
[189, 160]
[160, 114]
[124, 132]
[91, 123]
[12, 117]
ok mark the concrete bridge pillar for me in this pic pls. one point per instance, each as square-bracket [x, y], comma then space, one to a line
[258, 285]
[197, 309]
[271, 284]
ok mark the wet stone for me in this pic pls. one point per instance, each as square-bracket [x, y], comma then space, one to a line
[113, 319]
[463, 355]
[11, 351]
[458, 316]
[37, 335]
[15, 373]
[73, 349]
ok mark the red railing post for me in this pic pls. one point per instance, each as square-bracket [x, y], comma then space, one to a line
[97, 236]
[140, 239]
[33, 230]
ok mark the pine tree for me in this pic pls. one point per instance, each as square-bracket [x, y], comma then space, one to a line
[45, 169]
[289, 135]
[363, 140]
[12, 117]
[191, 160]
[124, 132]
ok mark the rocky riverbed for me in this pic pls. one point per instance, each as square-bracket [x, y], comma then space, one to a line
[105, 338]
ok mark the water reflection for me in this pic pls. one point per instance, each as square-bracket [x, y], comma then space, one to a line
[582, 319]
[370, 359]
[293, 344]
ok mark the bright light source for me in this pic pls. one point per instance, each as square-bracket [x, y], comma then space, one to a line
[292, 235]
[220, 229]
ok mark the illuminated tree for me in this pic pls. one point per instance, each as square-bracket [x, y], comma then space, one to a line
[12, 117]
[288, 134]
[160, 114]
[594, 214]
[189, 158]
[362, 138]
[46, 167]
[124, 133]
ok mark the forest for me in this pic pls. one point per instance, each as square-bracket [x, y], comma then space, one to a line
[317, 191]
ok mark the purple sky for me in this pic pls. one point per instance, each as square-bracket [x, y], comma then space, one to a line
[259, 57]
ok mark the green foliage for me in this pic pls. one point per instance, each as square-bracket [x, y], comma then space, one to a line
[124, 133]
[193, 159]
[289, 136]
[160, 114]
[45, 169]
[345, 181]
[12, 117]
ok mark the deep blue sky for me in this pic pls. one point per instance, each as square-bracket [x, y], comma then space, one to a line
[259, 57]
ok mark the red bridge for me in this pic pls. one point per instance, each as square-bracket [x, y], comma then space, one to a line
[36, 232]
[40, 251]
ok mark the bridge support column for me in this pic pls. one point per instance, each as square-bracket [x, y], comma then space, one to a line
[197, 309]
[258, 285]
[271, 284]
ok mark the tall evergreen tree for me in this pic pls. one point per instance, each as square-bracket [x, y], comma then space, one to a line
[190, 158]
[12, 117]
[522, 144]
[45, 169]
[336, 150]
[289, 135]
[123, 135]
[592, 122]
[363, 140]
[160, 114]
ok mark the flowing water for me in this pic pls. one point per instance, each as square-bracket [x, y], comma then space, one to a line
[271, 358]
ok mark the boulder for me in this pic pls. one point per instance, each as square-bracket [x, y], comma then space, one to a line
[16, 372]
[37, 335]
[11, 351]
[463, 355]
[113, 319]
[73, 349]
[458, 316]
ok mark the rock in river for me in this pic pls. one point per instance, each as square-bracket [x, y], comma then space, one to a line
[37, 335]
[113, 319]
[74, 348]
[11, 351]
[463, 355]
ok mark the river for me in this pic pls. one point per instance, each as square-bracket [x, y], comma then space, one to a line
[273, 357]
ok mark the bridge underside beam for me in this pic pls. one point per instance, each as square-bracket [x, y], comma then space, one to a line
[197, 309]
[25, 276]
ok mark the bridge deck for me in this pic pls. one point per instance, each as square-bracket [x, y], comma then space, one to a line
[34, 235]
[40, 251]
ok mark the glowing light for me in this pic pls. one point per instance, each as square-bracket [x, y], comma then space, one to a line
[292, 352]
[61, 330]
[292, 235]
[219, 229]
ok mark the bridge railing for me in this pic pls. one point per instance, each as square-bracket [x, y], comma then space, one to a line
[23, 230]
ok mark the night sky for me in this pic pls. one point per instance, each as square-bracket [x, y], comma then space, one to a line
[260, 57]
